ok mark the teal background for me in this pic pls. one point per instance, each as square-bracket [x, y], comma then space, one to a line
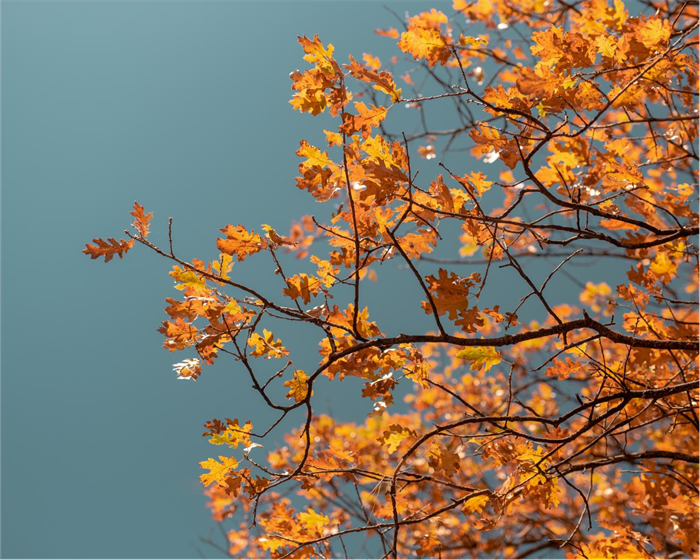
[182, 106]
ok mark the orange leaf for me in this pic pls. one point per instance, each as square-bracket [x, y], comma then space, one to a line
[239, 242]
[108, 249]
[141, 220]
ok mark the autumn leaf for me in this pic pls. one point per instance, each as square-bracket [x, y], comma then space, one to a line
[223, 266]
[218, 470]
[188, 280]
[475, 504]
[382, 81]
[429, 44]
[314, 522]
[108, 249]
[239, 242]
[298, 386]
[302, 286]
[141, 220]
[233, 435]
[480, 357]
[440, 458]
[393, 437]
[179, 334]
[266, 346]
[450, 293]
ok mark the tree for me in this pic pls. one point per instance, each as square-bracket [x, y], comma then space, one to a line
[574, 428]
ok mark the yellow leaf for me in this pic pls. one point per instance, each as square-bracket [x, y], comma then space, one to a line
[233, 435]
[217, 471]
[393, 437]
[223, 266]
[475, 504]
[266, 345]
[314, 157]
[188, 279]
[480, 356]
[313, 521]
[232, 307]
[541, 110]
[298, 386]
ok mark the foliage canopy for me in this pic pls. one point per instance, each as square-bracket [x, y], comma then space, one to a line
[574, 429]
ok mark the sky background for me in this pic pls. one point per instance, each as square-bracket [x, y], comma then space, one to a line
[182, 106]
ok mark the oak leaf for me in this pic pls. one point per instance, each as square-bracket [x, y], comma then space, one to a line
[108, 249]
[298, 386]
[141, 220]
[239, 242]
[393, 437]
[218, 470]
[480, 357]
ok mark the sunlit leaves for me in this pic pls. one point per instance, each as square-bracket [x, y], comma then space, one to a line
[232, 434]
[302, 286]
[381, 81]
[314, 522]
[188, 279]
[450, 293]
[585, 118]
[266, 346]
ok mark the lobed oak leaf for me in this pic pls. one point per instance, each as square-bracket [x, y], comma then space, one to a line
[314, 522]
[179, 334]
[426, 43]
[141, 220]
[441, 458]
[475, 504]
[372, 62]
[653, 33]
[393, 437]
[318, 55]
[383, 81]
[450, 293]
[333, 138]
[366, 118]
[239, 242]
[232, 435]
[480, 357]
[266, 346]
[314, 157]
[108, 249]
[302, 286]
[218, 470]
[563, 369]
[309, 100]
[189, 280]
[223, 266]
[298, 386]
